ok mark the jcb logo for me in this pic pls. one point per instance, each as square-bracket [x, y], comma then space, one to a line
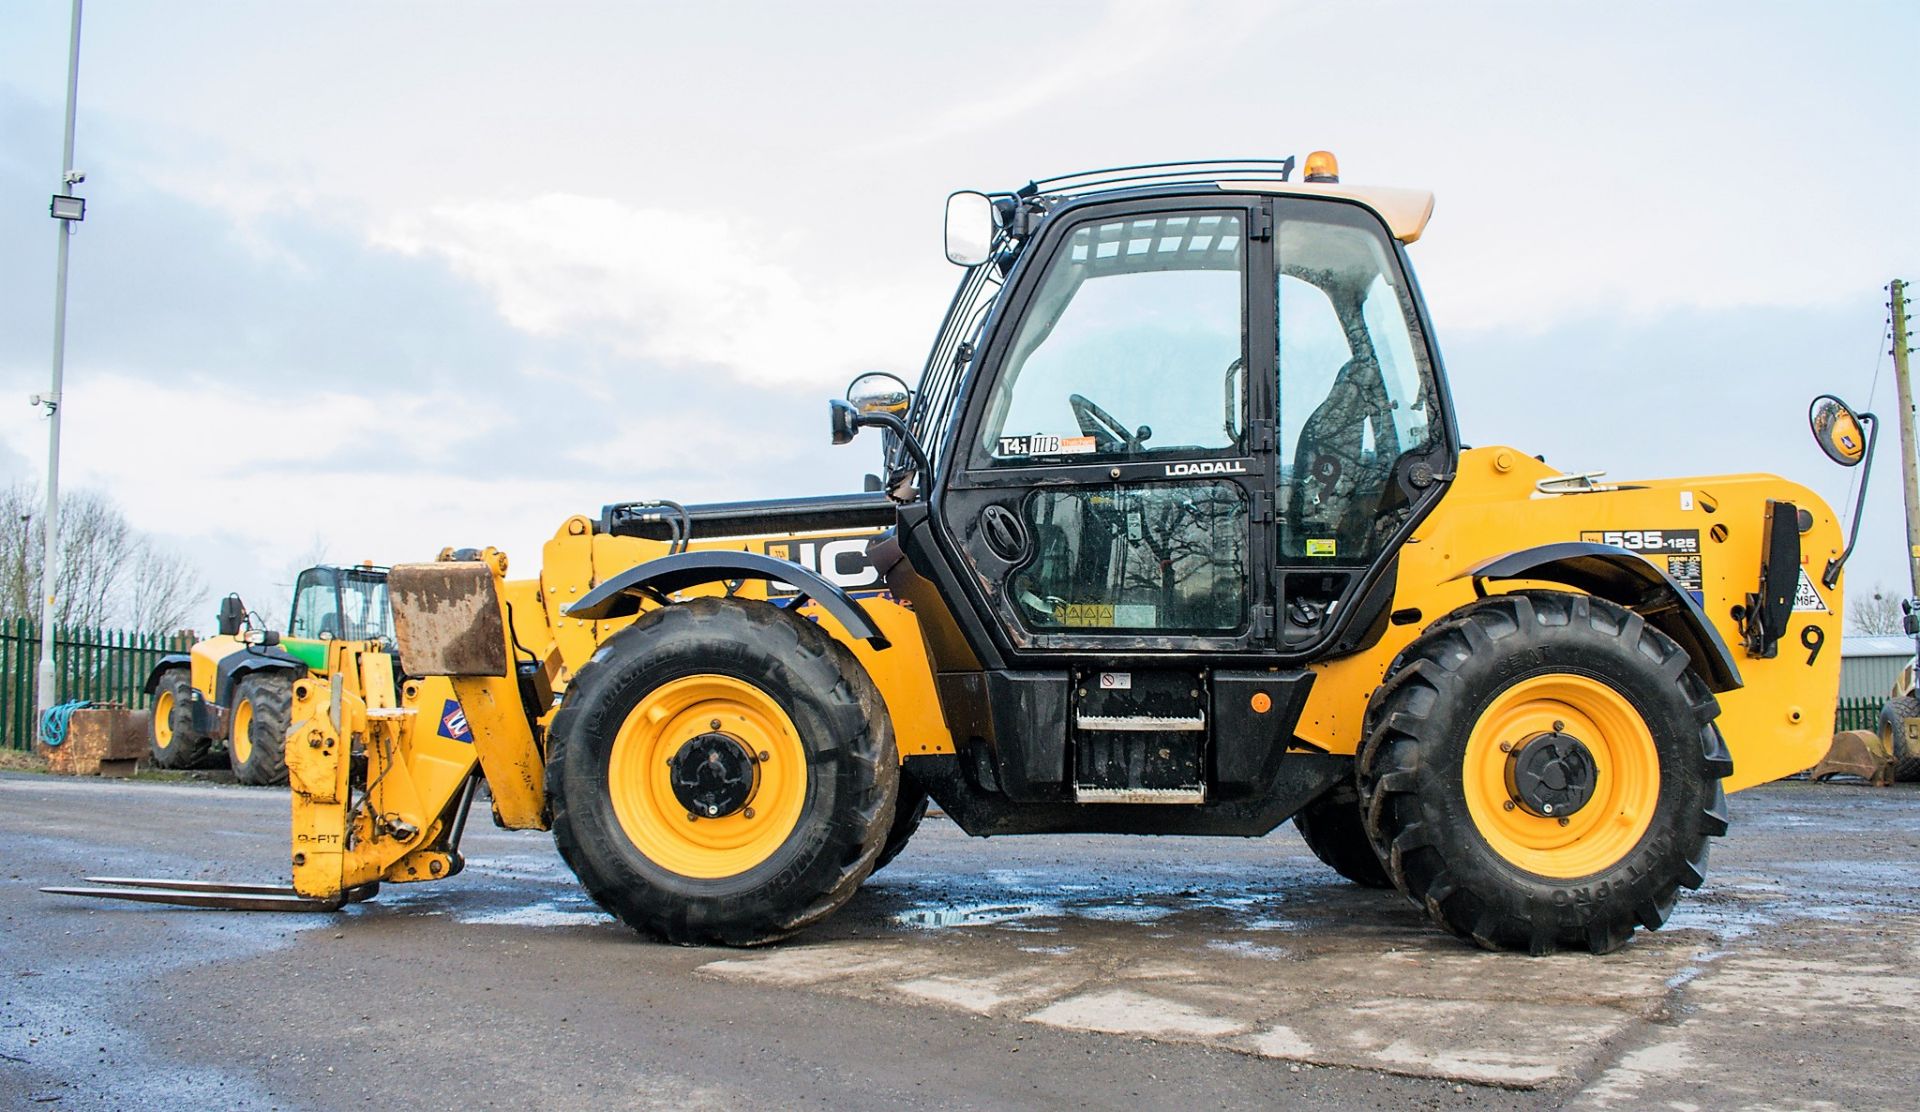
[841, 561]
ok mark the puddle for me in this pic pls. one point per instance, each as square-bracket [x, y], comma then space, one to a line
[970, 915]
[543, 914]
[1246, 949]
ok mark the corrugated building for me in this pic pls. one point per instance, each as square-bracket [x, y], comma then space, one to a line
[1869, 664]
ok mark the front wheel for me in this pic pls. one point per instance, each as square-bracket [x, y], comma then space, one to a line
[722, 771]
[171, 742]
[1541, 772]
[257, 728]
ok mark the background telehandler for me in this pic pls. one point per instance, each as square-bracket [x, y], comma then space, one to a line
[1176, 536]
[236, 688]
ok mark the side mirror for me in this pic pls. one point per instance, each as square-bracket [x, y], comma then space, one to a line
[879, 392]
[843, 420]
[1847, 438]
[1836, 428]
[970, 226]
[232, 616]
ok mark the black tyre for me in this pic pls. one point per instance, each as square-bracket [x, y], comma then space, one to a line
[1332, 828]
[171, 742]
[1480, 745]
[721, 771]
[1893, 713]
[257, 728]
[908, 810]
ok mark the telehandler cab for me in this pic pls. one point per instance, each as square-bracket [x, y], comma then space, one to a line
[1176, 536]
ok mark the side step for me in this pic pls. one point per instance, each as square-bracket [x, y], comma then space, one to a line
[1085, 794]
[211, 894]
[1141, 723]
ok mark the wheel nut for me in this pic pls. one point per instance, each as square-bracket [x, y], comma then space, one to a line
[1563, 822]
[765, 756]
[1506, 747]
[1506, 805]
[748, 812]
[691, 817]
[1546, 808]
[713, 810]
[714, 725]
[1558, 725]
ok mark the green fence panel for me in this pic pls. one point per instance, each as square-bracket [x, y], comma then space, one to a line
[102, 665]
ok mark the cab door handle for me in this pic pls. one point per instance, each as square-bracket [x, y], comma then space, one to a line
[1004, 533]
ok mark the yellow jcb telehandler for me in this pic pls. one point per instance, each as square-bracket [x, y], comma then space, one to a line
[1175, 535]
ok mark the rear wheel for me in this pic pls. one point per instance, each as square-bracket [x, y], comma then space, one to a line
[908, 810]
[722, 771]
[1334, 832]
[1541, 772]
[1893, 715]
[171, 742]
[257, 728]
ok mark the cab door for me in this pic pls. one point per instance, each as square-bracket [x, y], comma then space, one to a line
[1111, 485]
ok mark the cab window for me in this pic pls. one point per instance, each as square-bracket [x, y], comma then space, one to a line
[1353, 398]
[1132, 345]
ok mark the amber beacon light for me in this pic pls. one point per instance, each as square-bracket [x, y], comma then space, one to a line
[1322, 167]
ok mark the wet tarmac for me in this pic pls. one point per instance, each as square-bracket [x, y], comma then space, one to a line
[1049, 971]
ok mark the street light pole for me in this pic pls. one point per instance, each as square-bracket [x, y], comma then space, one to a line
[64, 219]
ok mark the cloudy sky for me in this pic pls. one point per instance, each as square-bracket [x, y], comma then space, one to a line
[382, 277]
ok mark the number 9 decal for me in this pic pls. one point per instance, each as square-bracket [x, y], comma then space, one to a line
[1814, 639]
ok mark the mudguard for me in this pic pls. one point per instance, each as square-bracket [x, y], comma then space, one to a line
[171, 660]
[1619, 576]
[233, 666]
[621, 595]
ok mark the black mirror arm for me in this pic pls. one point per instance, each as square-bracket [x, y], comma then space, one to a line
[847, 420]
[898, 428]
[1832, 574]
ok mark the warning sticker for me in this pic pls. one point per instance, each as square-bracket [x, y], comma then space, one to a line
[1098, 614]
[1806, 598]
[1327, 547]
[1685, 570]
[453, 723]
[1116, 681]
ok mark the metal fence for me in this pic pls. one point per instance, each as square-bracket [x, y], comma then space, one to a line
[1859, 713]
[103, 665]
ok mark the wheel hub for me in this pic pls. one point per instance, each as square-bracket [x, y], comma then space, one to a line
[1551, 775]
[713, 775]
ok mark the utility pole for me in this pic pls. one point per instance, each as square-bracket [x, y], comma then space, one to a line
[1909, 483]
[66, 210]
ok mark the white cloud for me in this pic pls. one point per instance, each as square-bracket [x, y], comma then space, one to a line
[680, 287]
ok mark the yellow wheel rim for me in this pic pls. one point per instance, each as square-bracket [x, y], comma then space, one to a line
[641, 784]
[163, 720]
[240, 737]
[1626, 771]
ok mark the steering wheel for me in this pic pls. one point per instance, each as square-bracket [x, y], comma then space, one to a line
[1099, 424]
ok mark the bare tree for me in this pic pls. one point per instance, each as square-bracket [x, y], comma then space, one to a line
[164, 590]
[97, 548]
[19, 552]
[1877, 612]
[109, 573]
